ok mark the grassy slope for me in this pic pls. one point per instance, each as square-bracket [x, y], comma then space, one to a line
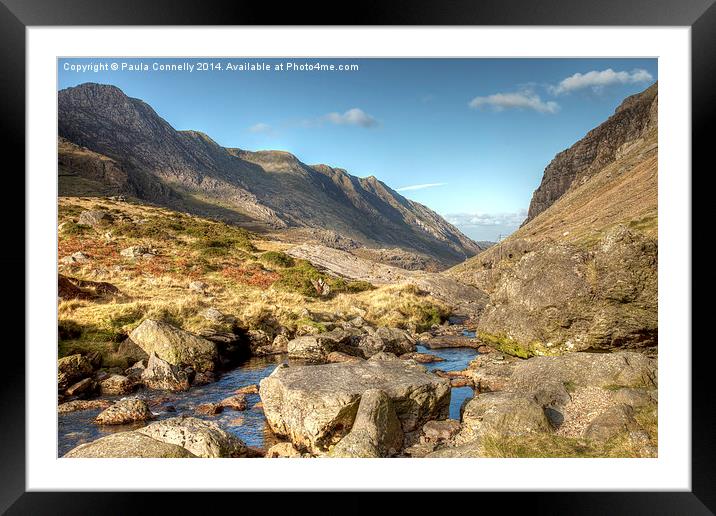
[248, 277]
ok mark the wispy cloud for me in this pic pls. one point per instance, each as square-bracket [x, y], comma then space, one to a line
[419, 187]
[261, 128]
[354, 116]
[597, 80]
[525, 99]
[510, 219]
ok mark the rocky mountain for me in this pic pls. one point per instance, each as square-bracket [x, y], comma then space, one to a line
[108, 139]
[581, 273]
[634, 117]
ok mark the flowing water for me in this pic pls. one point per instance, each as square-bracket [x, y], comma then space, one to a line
[75, 428]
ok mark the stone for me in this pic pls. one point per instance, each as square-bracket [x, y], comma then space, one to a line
[280, 344]
[337, 356]
[389, 340]
[116, 384]
[128, 445]
[197, 436]
[636, 398]
[75, 405]
[204, 378]
[283, 451]
[315, 406]
[138, 251]
[95, 218]
[176, 346]
[72, 368]
[198, 286]
[82, 387]
[131, 351]
[613, 421]
[209, 409]
[213, 315]
[505, 414]
[248, 389]
[161, 375]
[376, 430]
[78, 257]
[441, 430]
[317, 347]
[235, 402]
[449, 341]
[421, 358]
[125, 411]
[134, 373]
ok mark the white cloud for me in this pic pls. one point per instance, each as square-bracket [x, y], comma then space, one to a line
[597, 80]
[525, 99]
[354, 116]
[418, 187]
[261, 128]
[513, 219]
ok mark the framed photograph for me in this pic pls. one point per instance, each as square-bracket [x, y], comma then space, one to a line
[435, 249]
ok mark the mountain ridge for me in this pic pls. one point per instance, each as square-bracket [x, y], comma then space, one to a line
[273, 188]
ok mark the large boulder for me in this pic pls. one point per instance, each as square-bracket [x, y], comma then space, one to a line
[116, 384]
[123, 445]
[176, 346]
[376, 431]
[201, 438]
[504, 414]
[315, 405]
[317, 347]
[389, 340]
[71, 369]
[161, 375]
[125, 411]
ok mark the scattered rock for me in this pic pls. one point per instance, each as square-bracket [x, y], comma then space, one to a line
[95, 218]
[283, 450]
[176, 346]
[315, 405]
[235, 402]
[72, 368]
[78, 257]
[213, 315]
[138, 251]
[198, 286]
[125, 411]
[615, 420]
[115, 385]
[317, 347]
[128, 445]
[161, 375]
[280, 344]
[441, 430]
[204, 378]
[66, 289]
[75, 405]
[389, 340]
[450, 341]
[376, 430]
[337, 356]
[197, 436]
[421, 358]
[248, 389]
[209, 409]
[82, 387]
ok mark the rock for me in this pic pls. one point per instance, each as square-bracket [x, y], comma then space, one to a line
[636, 398]
[441, 430]
[613, 421]
[248, 389]
[131, 351]
[95, 218]
[115, 385]
[235, 402]
[471, 449]
[82, 387]
[138, 251]
[389, 340]
[78, 257]
[75, 405]
[317, 347]
[209, 409]
[337, 356]
[204, 378]
[134, 373]
[315, 405]
[176, 346]
[125, 411]
[161, 375]
[421, 358]
[283, 450]
[504, 414]
[72, 368]
[461, 382]
[230, 346]
[213, 315]
[199, 437]
[376, 430]
[128, 445]
[280, 344]
[198, 286]
[357, 322]
[450, 341]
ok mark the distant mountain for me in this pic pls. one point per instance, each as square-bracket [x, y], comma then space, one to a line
[631, 120]
[111, 141]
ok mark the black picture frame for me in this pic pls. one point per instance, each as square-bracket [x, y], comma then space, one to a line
[17, 15]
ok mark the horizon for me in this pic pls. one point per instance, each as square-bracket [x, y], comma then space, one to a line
[498, 129]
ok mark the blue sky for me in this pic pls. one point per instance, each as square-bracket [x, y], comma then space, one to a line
[469, 138]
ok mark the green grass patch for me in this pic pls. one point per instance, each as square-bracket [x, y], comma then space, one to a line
[277, 259]
[72, 228]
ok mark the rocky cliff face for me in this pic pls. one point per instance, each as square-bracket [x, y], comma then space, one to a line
[188, 170]
[635, 116]
[582, 274]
